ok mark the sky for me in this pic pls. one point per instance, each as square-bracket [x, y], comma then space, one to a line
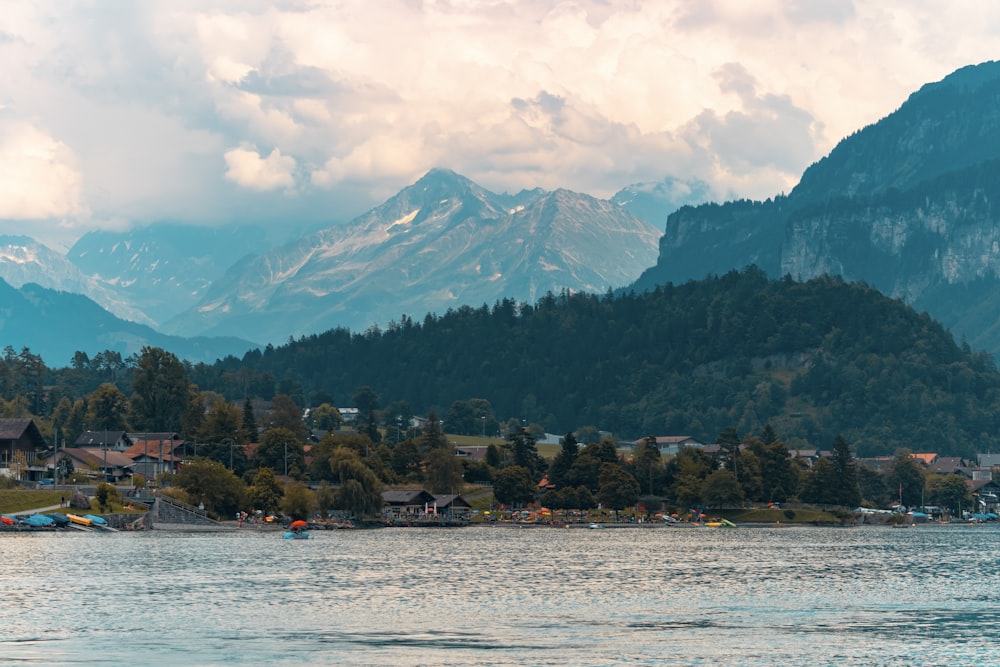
[312, 111]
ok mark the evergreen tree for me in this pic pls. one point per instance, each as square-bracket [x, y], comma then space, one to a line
[848, 491]
[563, 461]
[249, 422]
[159, 392]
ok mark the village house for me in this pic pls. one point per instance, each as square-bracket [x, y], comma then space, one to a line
[114, 441]
[155, 453]
[106, 465]
[406, 503]
[20, 443]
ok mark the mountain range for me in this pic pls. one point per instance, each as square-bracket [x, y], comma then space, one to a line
[440, 243]
[905, 205]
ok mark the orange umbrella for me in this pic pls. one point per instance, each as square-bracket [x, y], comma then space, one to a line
[299, 524]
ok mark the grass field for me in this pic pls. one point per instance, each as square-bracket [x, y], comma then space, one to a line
[22, 500]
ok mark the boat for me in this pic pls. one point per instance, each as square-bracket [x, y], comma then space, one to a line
[297, 534]
[39, 521]
[79, 520]
[8, 520]
[96, 520]
[58, 518]
[721, 523]
[595, 526]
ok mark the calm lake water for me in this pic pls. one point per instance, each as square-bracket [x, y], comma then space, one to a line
[503, 596]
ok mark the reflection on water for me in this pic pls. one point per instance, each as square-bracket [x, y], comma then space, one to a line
[497, 596]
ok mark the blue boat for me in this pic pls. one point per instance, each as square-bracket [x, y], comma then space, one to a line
[100, 521]
[58, 518]
[296, 535]
[38, 521]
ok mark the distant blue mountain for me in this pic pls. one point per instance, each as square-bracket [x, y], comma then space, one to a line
[55, 325]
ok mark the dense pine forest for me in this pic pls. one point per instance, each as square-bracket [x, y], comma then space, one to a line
[815, 360]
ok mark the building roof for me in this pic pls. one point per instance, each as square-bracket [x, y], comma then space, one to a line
[927, 458]
[96, 459]
[989, 460]
[407, 497]
[100, 438]
[447, 500]
[948, 464]
[150, 449]
[17, 429]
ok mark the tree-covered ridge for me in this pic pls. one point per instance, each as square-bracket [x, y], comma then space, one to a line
[816, 359]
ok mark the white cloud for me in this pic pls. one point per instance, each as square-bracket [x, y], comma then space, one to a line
[247, 168]
[135, 104]
[38, 175]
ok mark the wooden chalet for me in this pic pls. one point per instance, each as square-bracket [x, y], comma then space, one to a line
[403, 503]
[20, 441]
[451, 505]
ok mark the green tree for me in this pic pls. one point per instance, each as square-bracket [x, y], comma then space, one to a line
[524, 452]
[286, 414]
[444, 472]
[298, 501]
[281, 450]
[617, 488]
[159, 392]
[948, 491]
[721, 489]
[212, 484]
[563, 461]
[326, 496]
[688, 472]
[325, 417]
[779, 477]
[107, 495]
[821, 484]
[360, 490]
[433, 436]
[906, 475]
[106, 408]
[366, 400]
[729, 442]
[585, 471]
[514, 485]
[406, 460]
[265, 493]
[647, 464]
[847, 491]
[222, 421]
[248, 422]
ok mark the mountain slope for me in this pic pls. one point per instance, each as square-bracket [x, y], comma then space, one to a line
[55, 325]
[905, 204]
[24, 260]
[814, 359]
[164, 268]
[440, 243]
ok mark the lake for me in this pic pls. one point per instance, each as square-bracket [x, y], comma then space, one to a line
[504, 596]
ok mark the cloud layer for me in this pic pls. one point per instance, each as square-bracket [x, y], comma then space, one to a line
[212, 111]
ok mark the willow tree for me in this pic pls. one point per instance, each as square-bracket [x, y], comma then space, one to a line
[360, 490]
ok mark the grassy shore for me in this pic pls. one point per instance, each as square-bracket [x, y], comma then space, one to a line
[22, 500]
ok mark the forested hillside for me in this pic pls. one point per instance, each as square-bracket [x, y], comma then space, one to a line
[813, 359]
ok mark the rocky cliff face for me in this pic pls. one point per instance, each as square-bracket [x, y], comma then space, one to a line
[906, 205]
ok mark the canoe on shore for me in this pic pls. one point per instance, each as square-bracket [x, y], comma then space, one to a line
[79, 520]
